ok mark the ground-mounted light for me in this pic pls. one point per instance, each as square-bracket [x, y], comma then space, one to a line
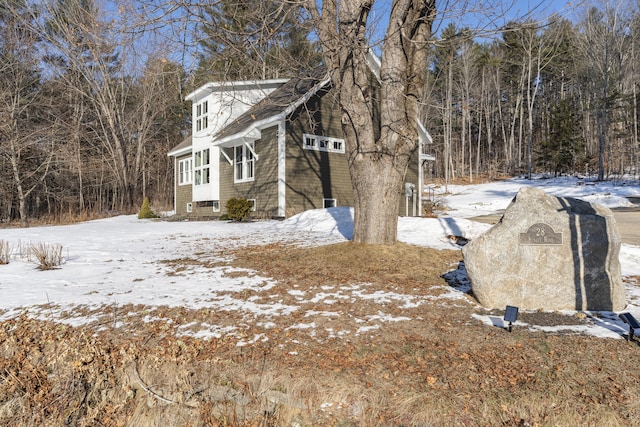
[631, 321]
[510, 315]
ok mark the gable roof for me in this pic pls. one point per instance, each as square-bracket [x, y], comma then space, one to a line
[274, 107]
[226, 86]
[183, 148]
[277, 106]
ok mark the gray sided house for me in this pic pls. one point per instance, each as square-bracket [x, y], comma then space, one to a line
[278, 143]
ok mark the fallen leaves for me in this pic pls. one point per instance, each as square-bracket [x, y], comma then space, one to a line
[433, 362]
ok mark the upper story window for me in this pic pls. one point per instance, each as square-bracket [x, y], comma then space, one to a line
[244, 163]
[185, 171]
[202, 116]
[322, 143]
[201, 171]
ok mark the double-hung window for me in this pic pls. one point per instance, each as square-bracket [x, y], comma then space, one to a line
[185, 171]
[244, 163]
[201, 171]
[202, 116]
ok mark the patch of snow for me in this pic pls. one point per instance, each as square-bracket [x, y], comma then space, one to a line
[113, 262]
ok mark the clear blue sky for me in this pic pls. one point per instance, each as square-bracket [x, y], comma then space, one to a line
[485, 14]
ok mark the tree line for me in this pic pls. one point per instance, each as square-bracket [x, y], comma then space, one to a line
[92, 94]
[555, 97]
[84, 126]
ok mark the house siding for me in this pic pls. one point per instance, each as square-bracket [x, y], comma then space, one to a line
[312, 175]
[264, 187]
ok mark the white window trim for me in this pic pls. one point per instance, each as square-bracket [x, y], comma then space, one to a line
[323, 143]
[247, 148]
[202, 116]
[185, 171]
[200, 171]
[216, 206]
[189, 207]
[253, 204]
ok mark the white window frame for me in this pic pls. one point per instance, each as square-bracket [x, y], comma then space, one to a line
[185, 171]
[202, 167]
[333, 202]
[253, 204]
[189, 207]
[244, 166]
[216, 206]
[202, 116]
[323, 143]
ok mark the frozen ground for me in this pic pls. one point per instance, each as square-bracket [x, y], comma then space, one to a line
[123, 260]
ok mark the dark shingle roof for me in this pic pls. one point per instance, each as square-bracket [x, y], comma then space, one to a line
[184, 144]
[275, 103]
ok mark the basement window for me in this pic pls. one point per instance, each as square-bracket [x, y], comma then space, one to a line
[329, 203]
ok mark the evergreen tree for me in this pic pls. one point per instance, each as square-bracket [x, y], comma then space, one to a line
[254, 39]
[563, 150]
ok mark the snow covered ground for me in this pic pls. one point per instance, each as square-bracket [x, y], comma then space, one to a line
[123, 260]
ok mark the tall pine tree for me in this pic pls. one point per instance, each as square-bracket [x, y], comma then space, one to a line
[254, 39]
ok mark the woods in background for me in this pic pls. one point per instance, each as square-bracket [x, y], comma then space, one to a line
[554, 98]
[92, 94]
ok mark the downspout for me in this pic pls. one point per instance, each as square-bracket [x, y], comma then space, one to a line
[282, 169]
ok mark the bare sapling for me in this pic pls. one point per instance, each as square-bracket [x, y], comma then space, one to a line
[5, 252]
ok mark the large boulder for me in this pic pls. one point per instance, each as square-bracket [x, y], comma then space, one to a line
[548, 253]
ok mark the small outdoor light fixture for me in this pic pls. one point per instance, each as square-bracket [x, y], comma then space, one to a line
[631, 321]
[510, 315]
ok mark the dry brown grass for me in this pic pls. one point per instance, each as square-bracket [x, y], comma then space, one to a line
[49, 256]
[60, 219]
[348, 262]
[441, 368]
[464, 180]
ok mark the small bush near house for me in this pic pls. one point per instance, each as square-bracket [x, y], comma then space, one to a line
[238, 209]
[145, 210]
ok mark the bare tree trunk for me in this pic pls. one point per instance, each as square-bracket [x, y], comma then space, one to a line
[378, 148]
[636, 146]
[448, 132]
[602, 135]
[22, 196]
[489, 155]
[480, 113]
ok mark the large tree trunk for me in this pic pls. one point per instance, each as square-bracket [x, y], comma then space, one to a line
[376, 218]
[380, 126]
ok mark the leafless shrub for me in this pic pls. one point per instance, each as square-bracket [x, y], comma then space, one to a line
[24, 252]
[48, 256]
[5, 252]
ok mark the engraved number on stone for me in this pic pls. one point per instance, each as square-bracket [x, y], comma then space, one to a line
[540, 234]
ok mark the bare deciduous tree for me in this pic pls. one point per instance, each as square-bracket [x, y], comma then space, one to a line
[379, 145]
[23, 145]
